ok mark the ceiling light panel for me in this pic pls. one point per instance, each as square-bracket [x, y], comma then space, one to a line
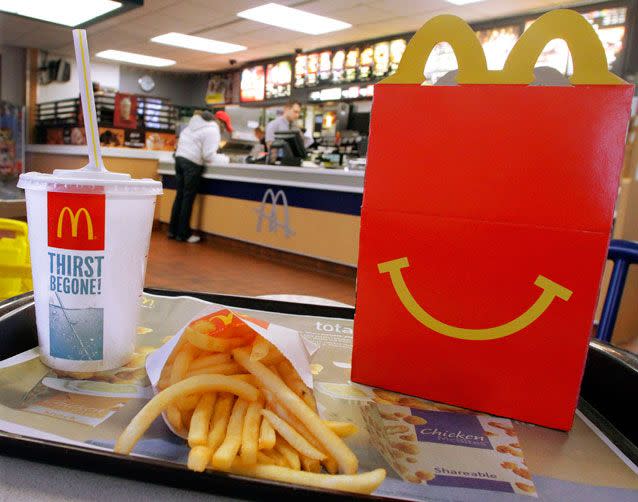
[131, 57]
[64, 12]
[197, 43]
[293, 19]
[463, 2]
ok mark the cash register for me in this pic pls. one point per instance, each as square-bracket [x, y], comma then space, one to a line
[287, 149]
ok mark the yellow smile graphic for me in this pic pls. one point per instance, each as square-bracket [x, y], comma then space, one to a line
[549, 287]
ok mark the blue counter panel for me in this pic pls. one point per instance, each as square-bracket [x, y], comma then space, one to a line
[308, 198]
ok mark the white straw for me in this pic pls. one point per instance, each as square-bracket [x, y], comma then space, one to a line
[88, 101]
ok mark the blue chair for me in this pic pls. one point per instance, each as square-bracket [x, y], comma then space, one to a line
[623, 254]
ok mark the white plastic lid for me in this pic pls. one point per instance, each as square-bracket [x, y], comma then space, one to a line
[81, 179]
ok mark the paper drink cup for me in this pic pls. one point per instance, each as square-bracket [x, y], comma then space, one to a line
[89, 234]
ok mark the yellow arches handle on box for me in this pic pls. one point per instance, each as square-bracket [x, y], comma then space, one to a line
[551, 290]
[590, 62]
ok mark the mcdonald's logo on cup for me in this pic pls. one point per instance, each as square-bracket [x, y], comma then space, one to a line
[76, 221]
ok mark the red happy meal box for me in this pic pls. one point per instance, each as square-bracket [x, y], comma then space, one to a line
[486, 218]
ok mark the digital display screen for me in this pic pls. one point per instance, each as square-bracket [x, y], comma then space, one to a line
[252, 84]
[497, 44]
[352, 61]
[610, 28]
[338, 65]
[351, 92]
[397, 48]
[381, 59]
[278, 80]
[609, 25]
[325, 66]
[366, 60]
[612, 39]
[312, 69]
[367, 91]
[301, 66]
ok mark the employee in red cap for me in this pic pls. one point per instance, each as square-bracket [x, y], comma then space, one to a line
[196, 149]
[224, 120]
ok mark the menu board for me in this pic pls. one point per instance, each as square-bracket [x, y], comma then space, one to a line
[312, 69]
[497, 44]
[441, 61]
[381, 59]
[554, 55]
[110, 136]
[325, 66]
[609, 25]
[376, 61]
[125, 114]
[351, 92]
[216, 90]
[338, 66]
[252, 84]
[367, 91]
[366, 61]
[278, 80]
[352, 61]
[397, 48]
[301, 67]
[348, 65]
[612, 39]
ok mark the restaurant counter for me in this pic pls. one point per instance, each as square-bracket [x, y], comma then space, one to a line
[139, 163]
[303, 210]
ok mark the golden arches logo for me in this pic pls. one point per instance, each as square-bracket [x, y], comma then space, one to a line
[588, 53]
[75, 218]
[550, 289]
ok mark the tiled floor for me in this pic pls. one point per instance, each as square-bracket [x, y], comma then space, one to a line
[208, 268]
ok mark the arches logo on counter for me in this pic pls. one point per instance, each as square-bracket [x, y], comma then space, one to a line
[271, 198]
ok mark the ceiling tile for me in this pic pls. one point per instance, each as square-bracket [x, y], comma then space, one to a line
[10, 32]
[229, 7]
[191, 13]
[46, 37]
[224, 33]
[218, 19]
[328, 7]
[409, 7]
[362, 14]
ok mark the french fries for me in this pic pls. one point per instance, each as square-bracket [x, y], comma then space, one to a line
[347, 460]
[267, 436]
[220, 420]
[292, 436]
[342, 429]
[197, 384]
[292, 380]
[174, 417]
[209, 360]
[250, 433]
[227, 451]
[200, 421]
[198, 458]
[244, 409]
[289, 453]
[180, 366]
[260, 349]
[366, 482]
[218, 369]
